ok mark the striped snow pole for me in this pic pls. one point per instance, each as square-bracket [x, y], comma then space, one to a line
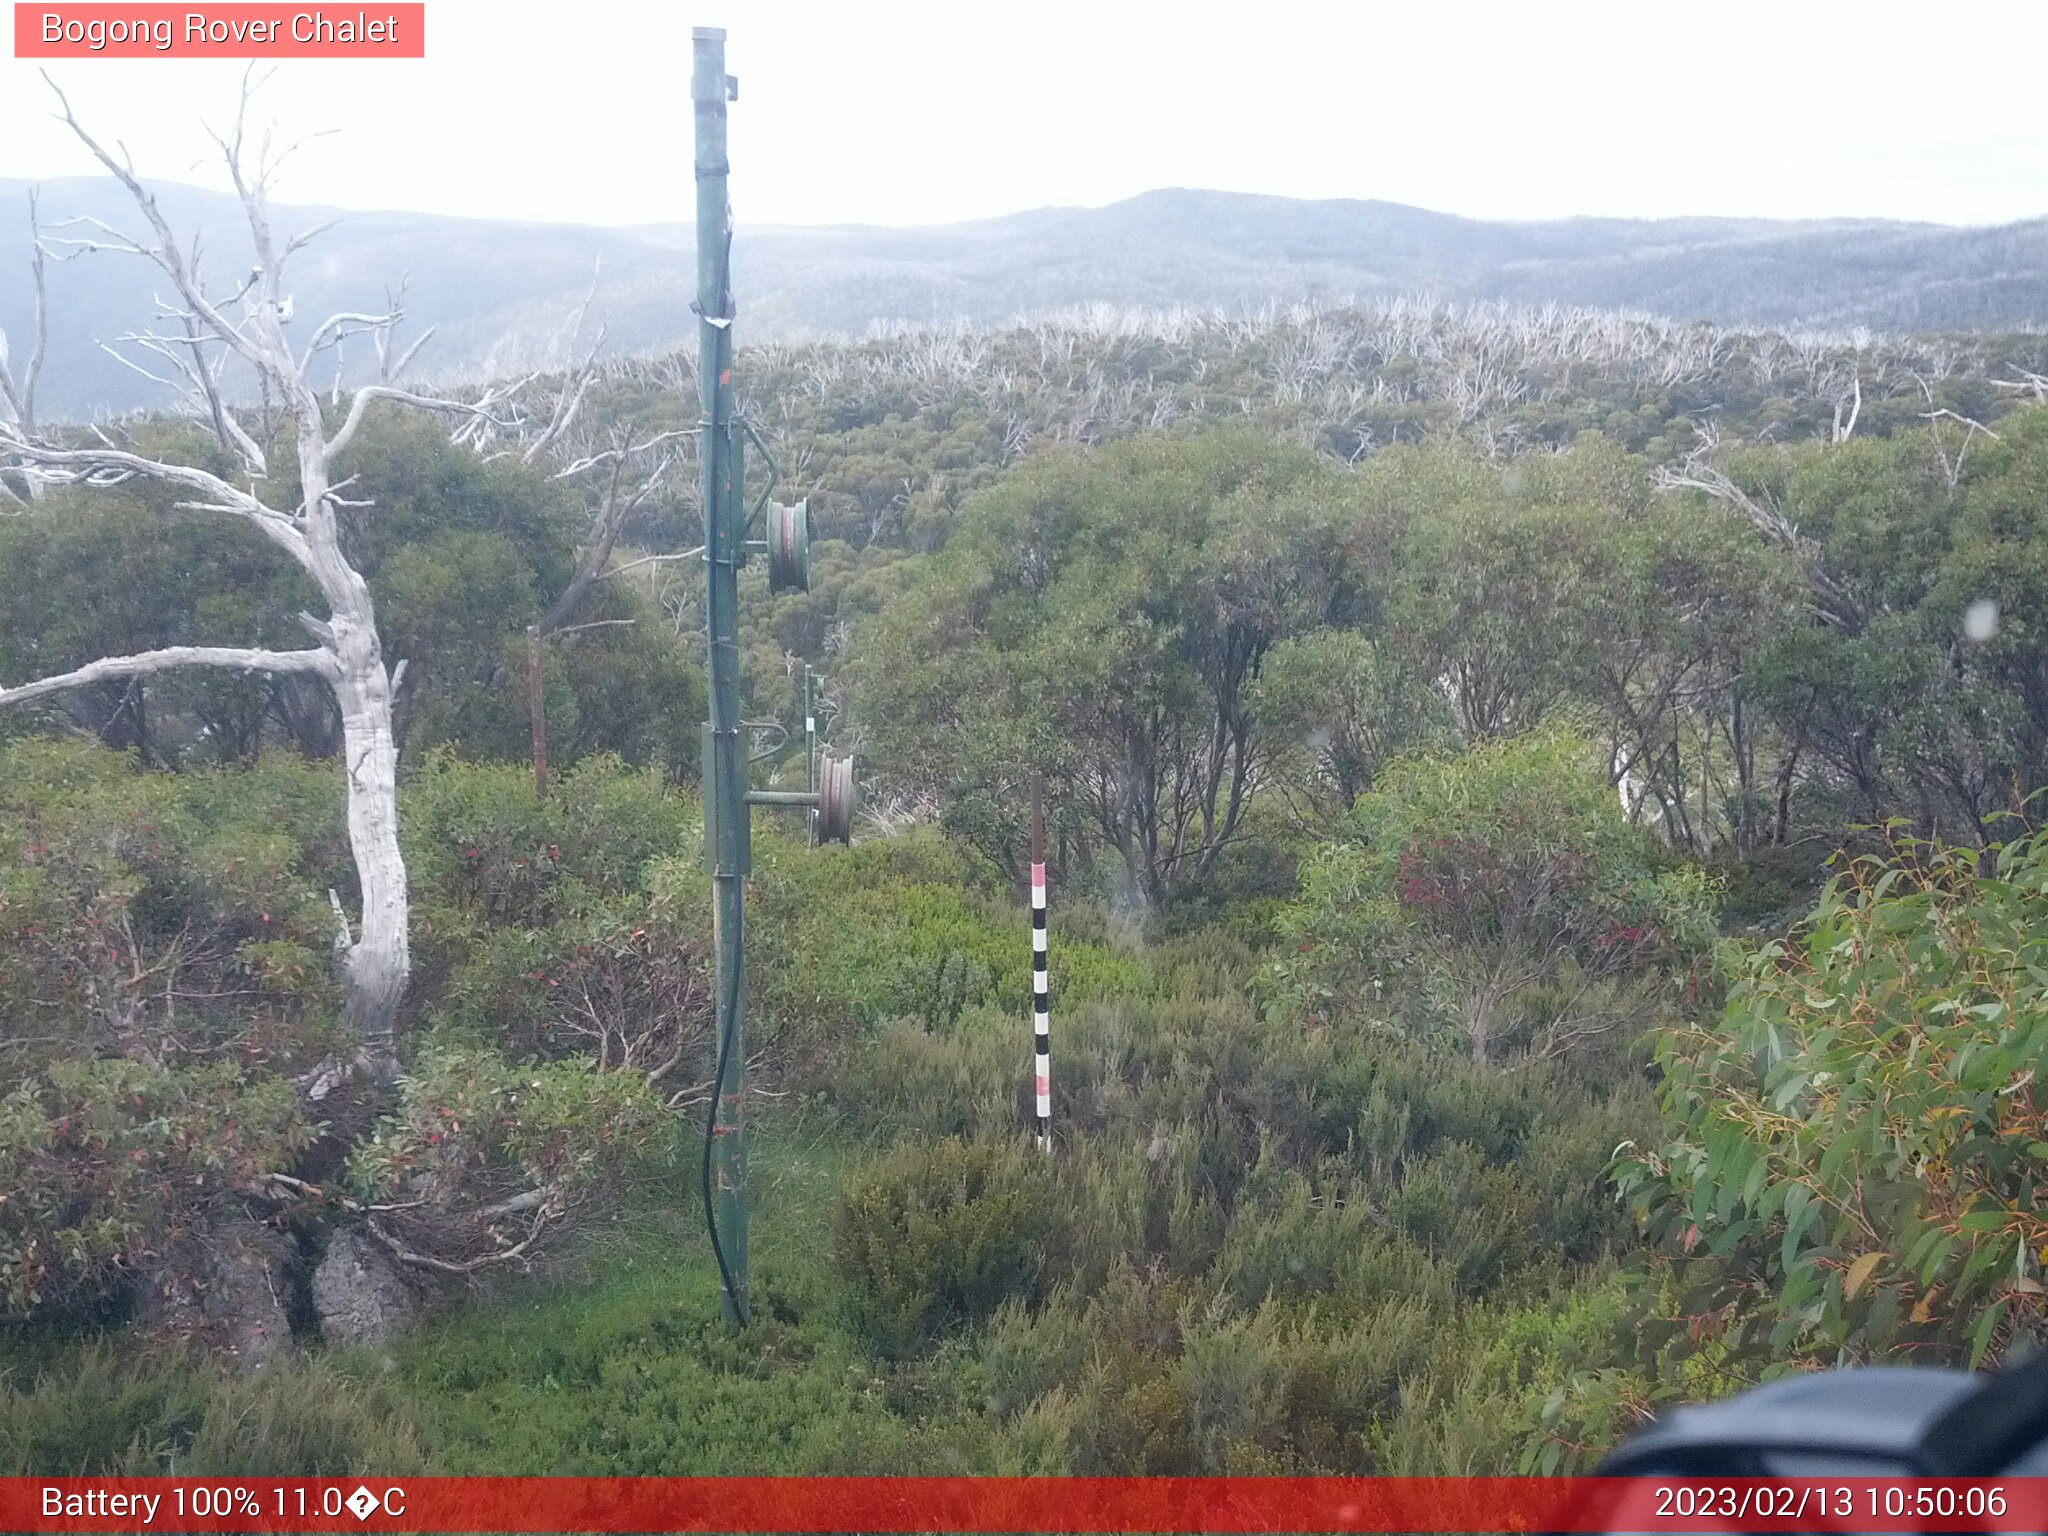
[811, 744]
[1041, 998]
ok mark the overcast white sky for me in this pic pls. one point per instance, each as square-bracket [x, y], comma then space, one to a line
[898, 112]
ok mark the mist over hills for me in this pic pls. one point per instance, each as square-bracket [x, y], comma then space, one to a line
[499, 292]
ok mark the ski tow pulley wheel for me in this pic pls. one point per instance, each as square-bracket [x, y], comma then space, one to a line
[789, 547]
[837, 799]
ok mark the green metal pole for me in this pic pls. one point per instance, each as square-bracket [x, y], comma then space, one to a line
[727, 820]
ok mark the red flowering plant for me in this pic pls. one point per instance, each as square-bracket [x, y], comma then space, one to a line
[1499, 897]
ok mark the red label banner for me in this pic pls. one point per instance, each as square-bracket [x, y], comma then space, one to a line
[229, 31]
[1021, 1504]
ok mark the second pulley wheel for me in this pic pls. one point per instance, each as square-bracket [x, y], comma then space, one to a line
[837, 799]
[789, 547]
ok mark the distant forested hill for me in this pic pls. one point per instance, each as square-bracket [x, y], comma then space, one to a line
[499, 292]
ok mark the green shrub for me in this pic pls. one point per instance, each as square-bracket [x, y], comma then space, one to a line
[608, 982]
[482, 847]
[1298, 1240]
[1858, 1139]
[106, 1163]
[165, 966]
[972, 1081]
[909, 927]
[167, 912]
[1772, 887]
[1461, 883]
[1478, 1218]
[1507, 1391]
[473, 1128]
[942, 1234]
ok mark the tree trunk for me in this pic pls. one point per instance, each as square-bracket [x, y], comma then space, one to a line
[1782, 828]
[1742, 749]
[380, 959]
[537, 707]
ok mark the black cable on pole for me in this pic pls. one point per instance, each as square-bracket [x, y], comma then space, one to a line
[739, 1302]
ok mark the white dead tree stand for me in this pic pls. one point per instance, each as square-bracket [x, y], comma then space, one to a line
[628, 476]
[18, 380]
[197, 339]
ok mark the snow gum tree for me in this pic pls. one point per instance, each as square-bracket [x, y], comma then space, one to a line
[202, 340]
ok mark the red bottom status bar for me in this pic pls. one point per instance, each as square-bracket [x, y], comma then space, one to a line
[1020, 1504]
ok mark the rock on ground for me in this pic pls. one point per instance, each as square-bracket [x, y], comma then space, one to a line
[228, 1287]
[358, 1292]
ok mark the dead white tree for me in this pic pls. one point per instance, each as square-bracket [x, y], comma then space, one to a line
[628, 476]
[18, 386]
[200, 334]
[1847, 410]
[2032, 383]
[620, 477]
[1834, 603]
[1952, 443]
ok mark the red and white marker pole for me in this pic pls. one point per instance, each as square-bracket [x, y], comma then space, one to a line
[1041, 998]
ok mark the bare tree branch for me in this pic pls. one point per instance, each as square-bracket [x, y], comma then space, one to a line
[335, 326]
[18, 390]
[103, 467]
[2034, 383]
[1698, 473]
[167, 254]
[318, 663]
[635, 564]
[369, 394]
[570, 400]
[577, 629]
[509, 1254]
